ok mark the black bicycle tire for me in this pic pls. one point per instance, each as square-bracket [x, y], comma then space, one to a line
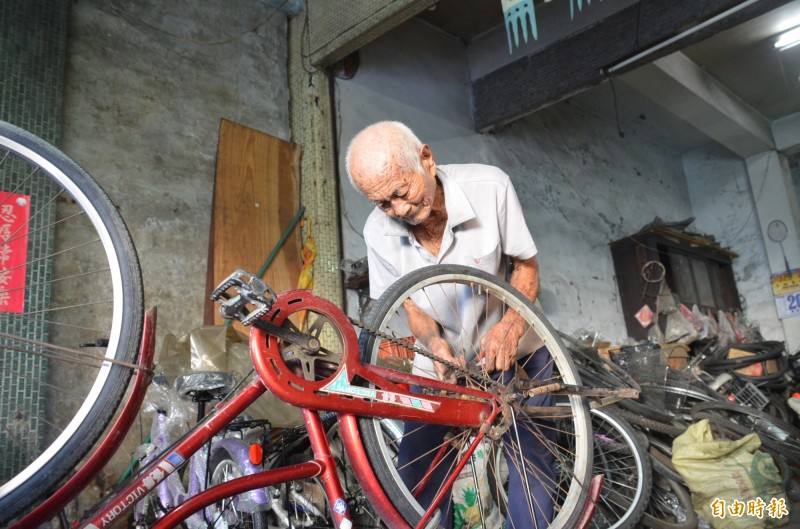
[644, 472]
[662, 463]
[604, 368]
[645, 410]
[591, 377]
[372, 445]
[742, 361]
[685, 499]
[30, 485]
[650, 424]
[693, 393]
[769, 350]
[260, 519]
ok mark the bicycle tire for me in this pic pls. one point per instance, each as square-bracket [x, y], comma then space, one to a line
[625, 465]
[661, 459]
[645, 410]
[661, 512]
[77, 253]
[650, 424]
[223, 466]
[385, 315]
[759, 353]
[592, 377]
[611, 374]
[680, 400]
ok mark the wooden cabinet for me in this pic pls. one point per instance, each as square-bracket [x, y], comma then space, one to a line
[695, 268]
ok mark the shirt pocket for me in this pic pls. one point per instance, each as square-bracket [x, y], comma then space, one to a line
[488, 262]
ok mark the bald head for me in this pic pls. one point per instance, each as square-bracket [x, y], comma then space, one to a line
[381, 150]
[388, 164]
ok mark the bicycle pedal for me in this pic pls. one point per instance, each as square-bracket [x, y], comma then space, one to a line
[249, 300]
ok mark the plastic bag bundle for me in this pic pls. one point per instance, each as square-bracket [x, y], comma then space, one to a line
[734, 485]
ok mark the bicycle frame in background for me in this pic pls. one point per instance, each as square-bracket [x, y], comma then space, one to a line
[227, 453]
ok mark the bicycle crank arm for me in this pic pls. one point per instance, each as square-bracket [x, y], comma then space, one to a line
[306, 342]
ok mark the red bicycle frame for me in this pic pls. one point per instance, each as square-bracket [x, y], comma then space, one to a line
[385, 395]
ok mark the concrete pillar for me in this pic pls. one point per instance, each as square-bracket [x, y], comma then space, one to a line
[312, 128]
[775, 200]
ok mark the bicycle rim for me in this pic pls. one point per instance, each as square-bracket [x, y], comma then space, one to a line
[625, 467]
[74, 280]
[565, 441]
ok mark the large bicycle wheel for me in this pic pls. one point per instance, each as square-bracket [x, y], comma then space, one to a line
[68, 277]
[627, 474]
[536, 473]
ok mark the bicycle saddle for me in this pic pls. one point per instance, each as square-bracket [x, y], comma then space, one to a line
[205, 384]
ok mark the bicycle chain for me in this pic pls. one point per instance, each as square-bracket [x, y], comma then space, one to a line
[457, 368]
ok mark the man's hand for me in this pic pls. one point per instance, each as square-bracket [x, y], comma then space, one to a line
[441, 349]
[500, 345]
[428, 333]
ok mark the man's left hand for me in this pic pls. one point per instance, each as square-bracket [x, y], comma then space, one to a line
[499, 346]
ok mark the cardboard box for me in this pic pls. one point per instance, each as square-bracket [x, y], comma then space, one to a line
[675, 355]
[758, 369]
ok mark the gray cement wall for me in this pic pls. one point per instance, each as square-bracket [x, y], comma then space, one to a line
[580, 184]
[722, 202]
[146, 89]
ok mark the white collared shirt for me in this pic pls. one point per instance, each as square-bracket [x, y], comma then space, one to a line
[484, 223]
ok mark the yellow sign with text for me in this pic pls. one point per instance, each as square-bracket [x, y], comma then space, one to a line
[786, 283]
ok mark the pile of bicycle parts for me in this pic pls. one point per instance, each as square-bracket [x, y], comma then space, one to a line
[741, 390]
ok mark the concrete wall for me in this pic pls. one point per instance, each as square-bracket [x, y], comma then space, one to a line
[581, 185]
[146, 89]
[722, 202]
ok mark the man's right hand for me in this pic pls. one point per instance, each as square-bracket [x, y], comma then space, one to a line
[441, 349]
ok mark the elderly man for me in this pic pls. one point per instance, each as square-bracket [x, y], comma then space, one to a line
[451, 214]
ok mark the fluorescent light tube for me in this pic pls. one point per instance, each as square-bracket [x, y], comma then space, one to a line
[788, 39]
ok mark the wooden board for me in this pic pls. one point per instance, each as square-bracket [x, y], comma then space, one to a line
[256, 196]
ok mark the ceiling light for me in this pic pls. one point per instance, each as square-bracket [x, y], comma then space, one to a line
[788, 39]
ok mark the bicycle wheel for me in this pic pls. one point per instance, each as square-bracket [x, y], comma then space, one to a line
[69, 276]
[554, 451]
[232, 512]
[625, 466]
[670, 507]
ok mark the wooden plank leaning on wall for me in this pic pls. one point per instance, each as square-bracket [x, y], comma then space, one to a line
[256, 196]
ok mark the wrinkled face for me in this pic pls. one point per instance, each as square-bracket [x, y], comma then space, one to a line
[405, 197]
